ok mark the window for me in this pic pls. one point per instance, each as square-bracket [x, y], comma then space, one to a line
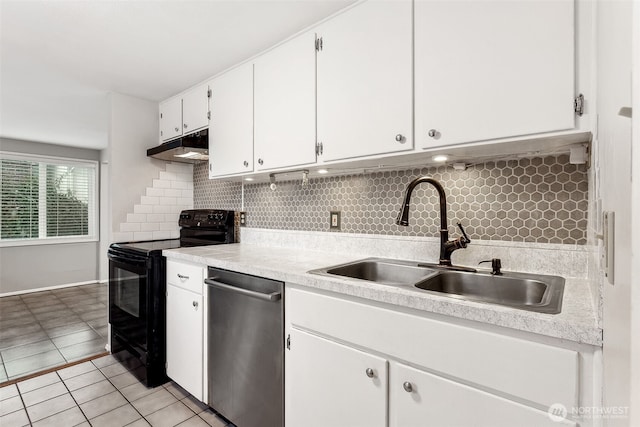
[46, 200]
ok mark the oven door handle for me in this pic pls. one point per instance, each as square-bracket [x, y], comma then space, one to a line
[273, 296]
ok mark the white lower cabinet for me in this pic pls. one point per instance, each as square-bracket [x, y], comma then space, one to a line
[185, 323]
[351, 363]
[330, 384]
[418, 398]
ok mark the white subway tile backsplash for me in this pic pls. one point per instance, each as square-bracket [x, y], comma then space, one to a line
[162, 209]
[167, 226]
[168, 176]
[150, 226]
[157, 235]
[155, 217]
[136, 218]
[179, 168]
[167, 201]
[182, 185]
[155, 192]
[122, 236]
[161, 183]
[130, 226]
[143, 235]
[171, 217]
[147, 200]
[172, 192]
[142, 209]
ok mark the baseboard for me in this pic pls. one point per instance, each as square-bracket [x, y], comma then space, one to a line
[49, 288]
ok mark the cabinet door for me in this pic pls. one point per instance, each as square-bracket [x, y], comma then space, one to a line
[285, 105]
[195, 109]
[185, 339]
[365, 81]
[170, 119]
[418, 398]
[328, 384]
[231, 127]
[492, 69]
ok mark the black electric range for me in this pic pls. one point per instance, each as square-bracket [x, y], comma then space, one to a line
[137, 289]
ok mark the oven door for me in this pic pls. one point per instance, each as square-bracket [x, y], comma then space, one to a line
[128, 277]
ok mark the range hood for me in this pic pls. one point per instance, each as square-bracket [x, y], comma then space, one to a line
[191, 148]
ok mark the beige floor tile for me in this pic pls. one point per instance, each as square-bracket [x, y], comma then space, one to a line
[50, 407]
[122, 416]
[157, 400]
[38, 382]
[103, 404]
[170, 415]
[92, 391]
[70, 417]
[15, 419]
[44, 393]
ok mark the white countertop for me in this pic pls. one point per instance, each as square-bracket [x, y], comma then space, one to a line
[577, 321]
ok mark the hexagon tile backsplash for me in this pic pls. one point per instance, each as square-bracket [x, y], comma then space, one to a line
[541, 199]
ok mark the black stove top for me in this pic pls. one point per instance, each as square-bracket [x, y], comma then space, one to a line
[149, 247]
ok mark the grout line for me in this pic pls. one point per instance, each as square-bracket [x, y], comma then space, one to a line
[73, 398]
[24, 406]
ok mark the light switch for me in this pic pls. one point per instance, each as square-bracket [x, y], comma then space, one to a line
[334, 220]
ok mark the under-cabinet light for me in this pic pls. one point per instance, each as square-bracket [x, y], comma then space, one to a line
[440, 158]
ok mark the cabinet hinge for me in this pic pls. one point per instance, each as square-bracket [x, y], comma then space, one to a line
[288, 342]
[578, 105]
[208, 93]
[319, 148]
[319, 44]
[209, 115]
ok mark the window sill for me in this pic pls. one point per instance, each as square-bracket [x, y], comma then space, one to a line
[51, 241]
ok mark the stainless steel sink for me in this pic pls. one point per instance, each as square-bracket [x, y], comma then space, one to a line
[386, 272]
[530, 292]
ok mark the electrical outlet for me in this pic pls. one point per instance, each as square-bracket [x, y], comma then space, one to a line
[334, 220]
[243, 219]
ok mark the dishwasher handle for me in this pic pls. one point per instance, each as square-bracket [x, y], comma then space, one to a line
[273, 296]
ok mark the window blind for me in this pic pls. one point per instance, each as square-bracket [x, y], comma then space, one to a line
[46, 199]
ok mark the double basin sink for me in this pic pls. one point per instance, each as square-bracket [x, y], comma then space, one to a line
[531, 292]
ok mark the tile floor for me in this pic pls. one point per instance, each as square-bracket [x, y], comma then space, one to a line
[41, 330]
[101, 392]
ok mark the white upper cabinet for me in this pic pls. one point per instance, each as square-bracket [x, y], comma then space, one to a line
[492, 69]
[195, 109]
[231, 127]
[170, 119]
[182, 115]
[285, 105]
[365, 81]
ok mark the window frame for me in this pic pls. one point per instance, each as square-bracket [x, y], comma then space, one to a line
[93, 214]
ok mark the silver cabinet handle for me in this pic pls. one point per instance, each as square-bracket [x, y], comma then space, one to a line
[185, 125]
[177, 129]
[180, 276]
[407, 387]
[399, 137]
[273, 296]
[195, 304]
[260, 161]
[370, 373]
[433, 133]
[246, 164]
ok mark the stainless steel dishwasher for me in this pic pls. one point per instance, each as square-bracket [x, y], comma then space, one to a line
[245, 342]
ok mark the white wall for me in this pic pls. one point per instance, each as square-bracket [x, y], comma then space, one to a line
[25, 268]
[613, 144]
[133, 129]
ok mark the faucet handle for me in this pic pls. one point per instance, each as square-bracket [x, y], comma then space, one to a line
[464, 234]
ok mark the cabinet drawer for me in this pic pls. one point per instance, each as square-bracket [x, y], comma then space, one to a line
[186, 276]
[537, 372]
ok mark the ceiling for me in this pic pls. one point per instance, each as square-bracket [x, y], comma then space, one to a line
[59, 59]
